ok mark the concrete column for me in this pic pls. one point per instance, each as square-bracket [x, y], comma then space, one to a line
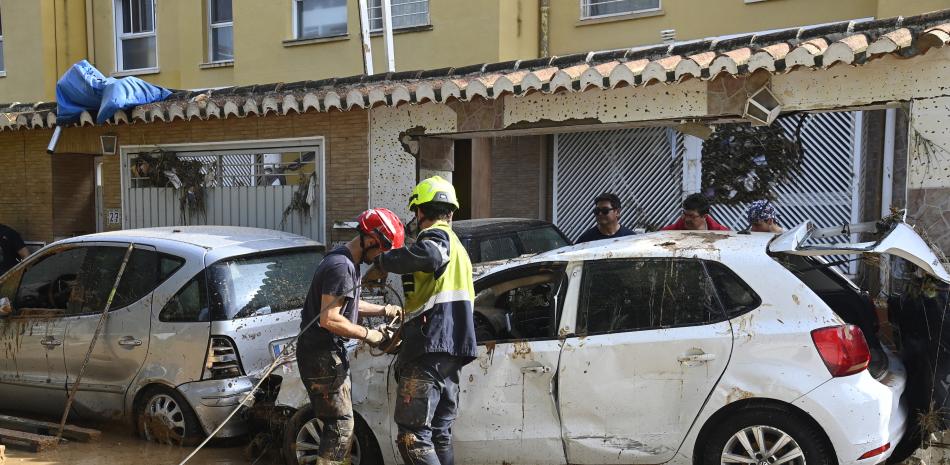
[481, 177]
[436, 157]
[928, 169]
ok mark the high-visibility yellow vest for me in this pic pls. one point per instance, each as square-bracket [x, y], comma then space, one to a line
[453, 285]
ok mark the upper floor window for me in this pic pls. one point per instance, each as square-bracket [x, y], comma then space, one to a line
[319, 18]
[405, 13]
[136, 41]
[598, 8]
[220, 31]
[2, 67]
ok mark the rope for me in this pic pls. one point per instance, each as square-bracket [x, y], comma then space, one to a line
[279, 360]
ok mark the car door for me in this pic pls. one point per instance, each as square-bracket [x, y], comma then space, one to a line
[33, 376]
[650, 345]
[123, 342]
[507, 411]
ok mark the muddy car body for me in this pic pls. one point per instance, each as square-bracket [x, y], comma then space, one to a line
[756, 357]
[198, 312]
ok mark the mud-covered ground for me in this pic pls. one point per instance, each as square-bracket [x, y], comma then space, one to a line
[121, 448]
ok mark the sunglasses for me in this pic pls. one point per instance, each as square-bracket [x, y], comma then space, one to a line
[603, 210]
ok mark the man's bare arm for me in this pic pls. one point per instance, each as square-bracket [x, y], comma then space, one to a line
[332, 321]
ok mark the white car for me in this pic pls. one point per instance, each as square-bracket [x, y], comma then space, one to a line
[671, 347]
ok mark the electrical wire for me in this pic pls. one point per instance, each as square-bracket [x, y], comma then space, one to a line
[279, 360]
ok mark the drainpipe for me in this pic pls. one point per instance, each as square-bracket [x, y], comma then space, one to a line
[544, 40]
[388, 32]
[364, 33]
[887, 172]
[90, 32]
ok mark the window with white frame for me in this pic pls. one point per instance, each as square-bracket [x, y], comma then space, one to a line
[220, 31]
[599, 8]
[405, 13]
[319, 18]
[3, 68]
[136, 41]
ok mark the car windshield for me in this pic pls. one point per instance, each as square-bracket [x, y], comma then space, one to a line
[261, 284]
[541, 240]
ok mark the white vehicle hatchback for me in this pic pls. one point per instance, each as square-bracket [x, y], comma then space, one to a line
[669, 347]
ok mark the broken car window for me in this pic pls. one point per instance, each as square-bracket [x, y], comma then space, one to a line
[190, 304]
[736, 296]
[52, 282]
[523, 307]
[637, 294]
[261, 284]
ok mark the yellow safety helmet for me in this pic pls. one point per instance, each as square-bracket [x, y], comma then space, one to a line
[434, 189]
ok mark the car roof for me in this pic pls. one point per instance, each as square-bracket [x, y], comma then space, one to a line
[489, 226]
[206, 237]
[702, 244]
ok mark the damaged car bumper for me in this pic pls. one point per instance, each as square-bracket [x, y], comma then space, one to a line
[868, 426]
[214, 400]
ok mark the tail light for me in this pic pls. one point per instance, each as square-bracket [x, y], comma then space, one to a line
[843, 349]
[222, 362]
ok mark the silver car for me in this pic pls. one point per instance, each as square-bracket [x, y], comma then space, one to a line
[198, 312]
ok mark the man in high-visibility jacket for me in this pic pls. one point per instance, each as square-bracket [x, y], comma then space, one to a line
[438, 336]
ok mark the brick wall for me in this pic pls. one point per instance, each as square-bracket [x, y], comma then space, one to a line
[26, 192]
[516, 168]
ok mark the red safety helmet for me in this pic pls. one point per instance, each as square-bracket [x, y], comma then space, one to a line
[385, 226]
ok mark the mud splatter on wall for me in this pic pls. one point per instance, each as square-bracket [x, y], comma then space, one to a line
[392, 169]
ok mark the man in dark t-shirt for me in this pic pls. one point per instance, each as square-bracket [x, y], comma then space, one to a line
[333, 301]
[12, 248]
[607, 214]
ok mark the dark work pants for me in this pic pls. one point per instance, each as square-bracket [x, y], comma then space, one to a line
[325, 375]
[426, 407]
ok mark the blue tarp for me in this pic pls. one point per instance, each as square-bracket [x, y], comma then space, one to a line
[84, 88]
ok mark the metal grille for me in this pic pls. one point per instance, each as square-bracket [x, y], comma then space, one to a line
[643, 166]
[240, 189]
[823, 190]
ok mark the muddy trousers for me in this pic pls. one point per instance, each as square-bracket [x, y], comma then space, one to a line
[325, 375]
[426, 407]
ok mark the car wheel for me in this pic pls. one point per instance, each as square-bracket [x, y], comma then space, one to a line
[302, 440]
[165, 417]
[766, 436]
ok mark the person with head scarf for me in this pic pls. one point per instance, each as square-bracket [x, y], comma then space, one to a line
[763, 217]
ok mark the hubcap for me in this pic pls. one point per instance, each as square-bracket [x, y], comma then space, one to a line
[308, 443]
[164, 421]
[762, 445]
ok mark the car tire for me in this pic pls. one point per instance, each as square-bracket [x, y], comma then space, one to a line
[164, 416]
[771, 425]
[304, 428]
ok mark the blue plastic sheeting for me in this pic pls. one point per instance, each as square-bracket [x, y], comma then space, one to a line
[84, 88]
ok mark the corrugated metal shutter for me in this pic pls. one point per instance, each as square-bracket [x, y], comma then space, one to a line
[824, 189]
[643, 166]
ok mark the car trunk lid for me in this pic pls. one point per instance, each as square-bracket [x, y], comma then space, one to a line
[891, 237]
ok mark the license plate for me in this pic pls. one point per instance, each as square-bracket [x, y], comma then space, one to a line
[280, 345]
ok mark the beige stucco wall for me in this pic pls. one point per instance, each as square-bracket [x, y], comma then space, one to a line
[42, 38]
[694, 19]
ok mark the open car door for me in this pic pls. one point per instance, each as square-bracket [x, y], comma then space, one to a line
[892, 237]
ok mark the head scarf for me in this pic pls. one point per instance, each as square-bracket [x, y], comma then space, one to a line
[761, 210]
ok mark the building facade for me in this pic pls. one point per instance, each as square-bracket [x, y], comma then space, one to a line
[198, 44]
